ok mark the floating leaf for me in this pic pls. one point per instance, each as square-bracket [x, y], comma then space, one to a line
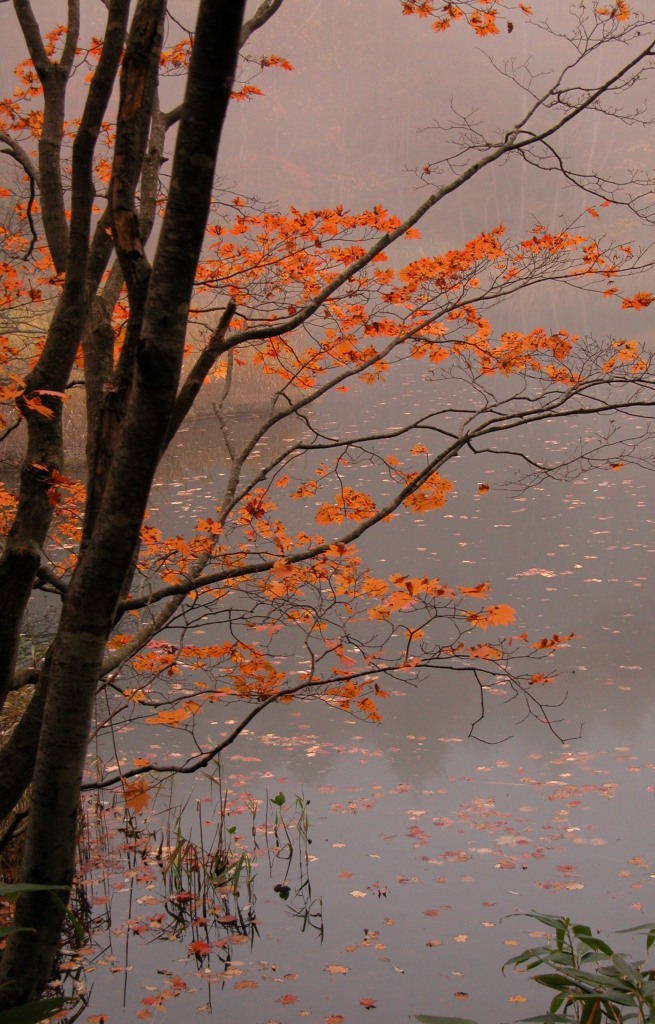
[136, 795]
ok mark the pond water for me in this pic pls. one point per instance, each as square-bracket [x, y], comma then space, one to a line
[404, 850]
[424, 842]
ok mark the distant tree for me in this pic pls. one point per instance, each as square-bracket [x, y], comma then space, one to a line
[313, 300]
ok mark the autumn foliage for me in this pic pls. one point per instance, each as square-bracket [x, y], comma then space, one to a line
[104, 294]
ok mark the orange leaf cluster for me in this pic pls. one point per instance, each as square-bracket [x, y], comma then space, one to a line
[492, 615]
[350, 504]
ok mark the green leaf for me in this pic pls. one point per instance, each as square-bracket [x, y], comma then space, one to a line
[556, 981]
[10, 930]
[279, 800]
[616, 996]
[547, 1018]
[15, 888]
[626, 969]
[538, 954]
[427, 1018]
[592, 1012]
[32, 1013]
[597, 945]
[550, 922]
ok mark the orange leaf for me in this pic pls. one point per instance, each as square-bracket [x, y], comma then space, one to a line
[481, 590]
[136, 795]
[199, 947]
[368, 1004]
[638, 301]
[172, 718]
[500, 614]
[492, 615]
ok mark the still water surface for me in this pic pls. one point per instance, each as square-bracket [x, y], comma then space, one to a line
[423, 841]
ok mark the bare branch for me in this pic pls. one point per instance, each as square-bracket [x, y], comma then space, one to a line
[20, 155]
[264, 13]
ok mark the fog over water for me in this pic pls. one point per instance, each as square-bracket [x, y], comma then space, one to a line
[441, 836]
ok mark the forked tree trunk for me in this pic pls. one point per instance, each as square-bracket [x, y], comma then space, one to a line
[88, 610]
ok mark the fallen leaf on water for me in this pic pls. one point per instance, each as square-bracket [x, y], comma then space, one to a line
[136, 795]
[246, 984]
[287, 1000]
[199, 947]
[336, 969]
[358, 894]
[434, 942]
[517, 999]
[368, 1004]
[334, 1018]
[461, 938]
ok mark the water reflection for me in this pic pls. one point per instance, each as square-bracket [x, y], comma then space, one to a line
[421, 838]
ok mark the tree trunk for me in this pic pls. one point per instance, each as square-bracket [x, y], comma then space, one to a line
[73, 667]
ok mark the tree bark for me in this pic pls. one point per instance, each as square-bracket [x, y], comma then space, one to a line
[73, 667]
[22, 554]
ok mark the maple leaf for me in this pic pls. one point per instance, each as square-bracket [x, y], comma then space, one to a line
[542, 680]
[336, 969]
[640, 300]
[136, 795]
[368, 1004]
[492, 615]
[480, 590]
[199, 947]
[172, 718]
[485, 651]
